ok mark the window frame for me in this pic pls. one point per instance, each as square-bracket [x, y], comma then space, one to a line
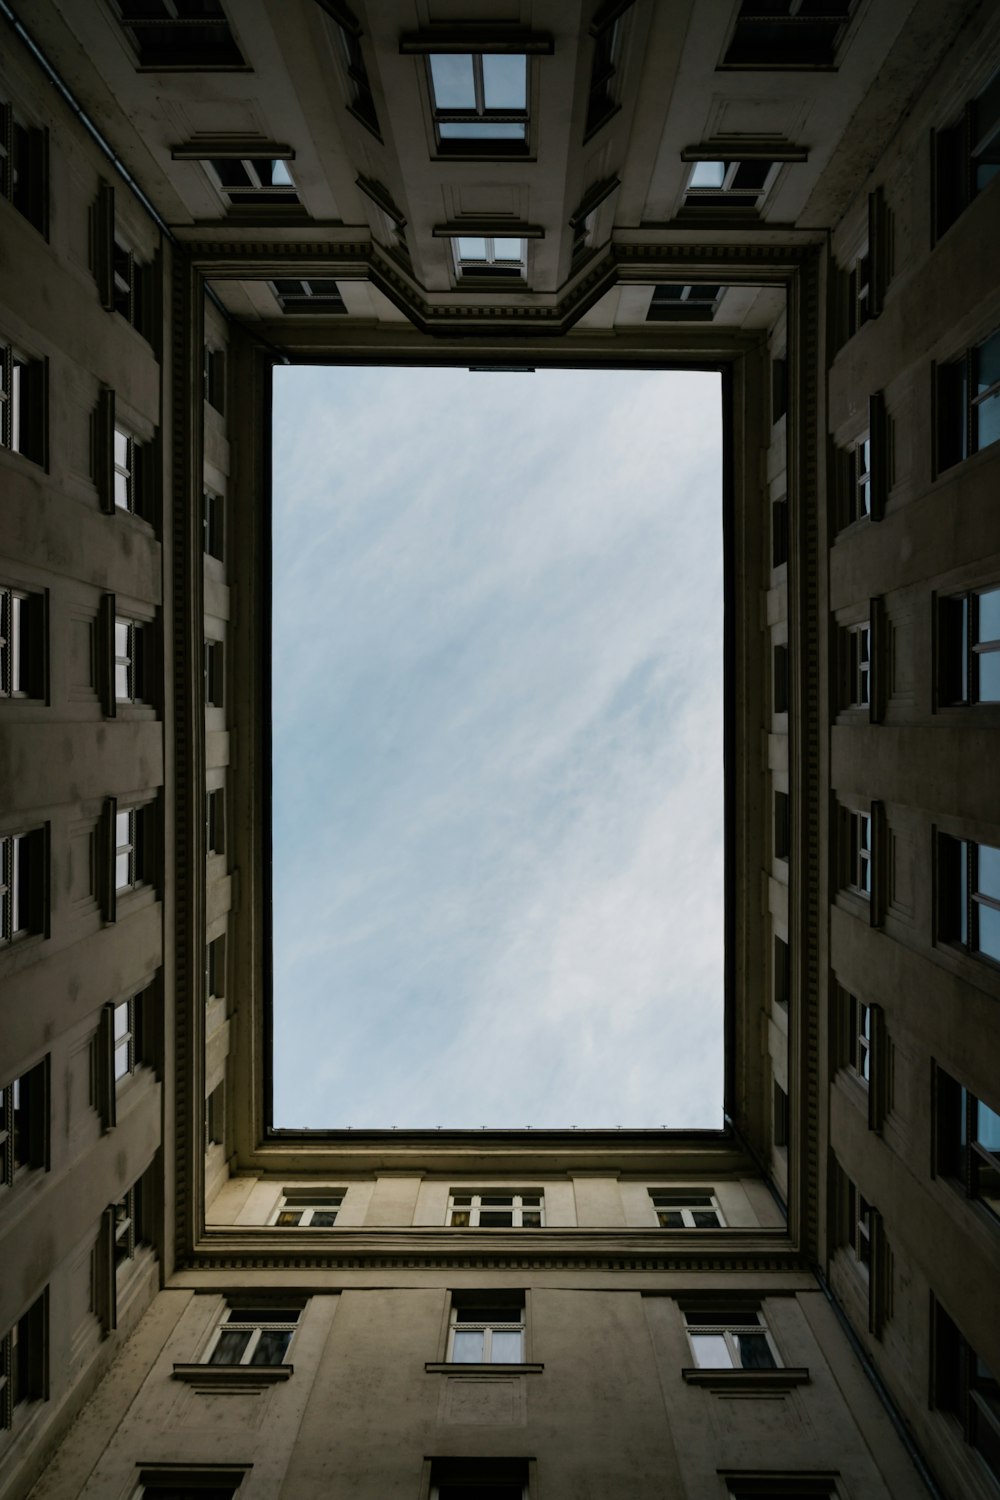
[24, 154]
[23, 885]
[136, 660]
[24, 1362]
[604, 93]
[22, 644]
[728, 196]
[23, 404]
[960, 649]
[959, 899]
[692, 306]
[686, 1202]
[959, 1375]
[24, 1143]
[956, 407]
[731, 1329]
[308, 300]
[958, 149]
[487, 1301]
[181, 30]
[960, 1157]
[480, 145]
[256, 192]
[307, 1203]
[748, 28]
[474, 1207]
[255, 1328]
[471, 268]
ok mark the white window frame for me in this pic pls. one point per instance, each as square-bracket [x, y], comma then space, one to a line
[128, 1038]
[705, 195]
[14, 923]
[459, 1324]
[255, 193]
[682, 1201]
[318, 1201]
[136, 644]
[858, 862]
[126, 1227]
[479, 114]
[255, 1330]
[15, 626]
[124, 467]
[736, 1323]
[491, 262]
[475, 1205]
[133, 847]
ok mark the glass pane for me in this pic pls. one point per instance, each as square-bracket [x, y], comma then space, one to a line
[711, 1352]
[467, 1348]
[121, 871]
[289, 1217]
[705, 1219]
[987, 1126]
[460, 1218]
[323, 1218]
[280, 175]
[505, 81]
[121, 449]
[506, 1349]
[754, 1351]
[494, 1219]
[271, 1347]
[229, 1348]
[989, 871]
[989, 677]
[122, 821]
[121, 638]
[492, 130]
[989, 931]
[751, 174]
[121, 1021]
[708, 174]
[121, 680]
[531, 1219]
[453, 80]
[989, 615]
[988, 364]
[471, 249]
[503, 1201]
[121, 490]
[507, 249]
[988, 421]
[720, 1317]
[121, 1060]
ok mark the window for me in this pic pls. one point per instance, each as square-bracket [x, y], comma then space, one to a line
[308, 1208]
[859, 1041]
[787, 33]
[782, 971]
[23, 167]
[968, 403]
[131, 660]
[129, 474]
[316, 296]
[215, 968]
[214, 674]
[132, 852]
[215, 378]
[485, 1210]
[686, 1208]
[23, 1362]
[779, 389]
[22, 404]
[479, 1479]
[130, 296]
[22, 884]
[480, 100]
[857, 1224]
[779, 1117]
[734, 1338]
[729, 184]
[255, 180]
[782, 1485]
[856, 499]
[782, 826]
[215, 1117]
[604, 97]
[24, 1123]
[779, 679]
[181, 1482]
[967, 156]
[215, 821]
[486, 1328]
[856, 851]
[779, 532]
[675, 303]
[488, 255]
[253, 1335]
[966, 1388]
[127, 1226]
[127, 1036]
[968, 1142]
[179, 34]
[969, 895]
[969, 647]
[22, 659]
[214, 524]
[362, 102]
[854, 685]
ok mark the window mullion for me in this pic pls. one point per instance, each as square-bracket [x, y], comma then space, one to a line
[477, 74]
[252, 1343]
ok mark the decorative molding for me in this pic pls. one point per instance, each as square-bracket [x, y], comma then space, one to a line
[441, 1368]
[232, 1377]
[745, 148]
[231, 148]
[758, 1381]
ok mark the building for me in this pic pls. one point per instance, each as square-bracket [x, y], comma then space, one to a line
[803, 195]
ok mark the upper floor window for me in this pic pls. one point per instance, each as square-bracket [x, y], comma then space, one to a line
[23, 167]
[308, 1208]
[856, 1230]
[215, 680]
[787, 33]
[182, 1482]
[969, 895]
[133, 847]
[316, 296]
[969, 647]
[674, 302]
[855, 851]
[479, 1479]
[215, 378]
[24, 1109]
[362, 103]
[249, 1335]
[22, 660]
[486, 1328]
[131, 286]
[23, 1362]
[968, 1141]
[782, 971]
[964, 1386]
[856, 499]
[480, 100]
[131, 651]
[22, 889]
[968, 403]
[128, 1226]
[127, 1036]
[604, 97]
[215, 968]
[855, 664]
[686, 1208]
[255, 180]
[214, 524]
[489, 255]
[131, 475]
[730, 1338]
[179, 34]
[22, 404]
[729, 184]
[486, 1210]
[967, 156]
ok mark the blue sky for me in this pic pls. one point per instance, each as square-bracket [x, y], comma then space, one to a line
[497, 747]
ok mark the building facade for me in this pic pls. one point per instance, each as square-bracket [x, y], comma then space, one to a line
[802, 196]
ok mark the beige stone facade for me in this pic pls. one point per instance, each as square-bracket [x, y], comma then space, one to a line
[838, 1245]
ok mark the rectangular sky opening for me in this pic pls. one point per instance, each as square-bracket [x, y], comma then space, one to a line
[497, 748]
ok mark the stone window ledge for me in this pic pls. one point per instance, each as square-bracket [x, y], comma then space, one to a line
[441, 1368]
[233, 1377]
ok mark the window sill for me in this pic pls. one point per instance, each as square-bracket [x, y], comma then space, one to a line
[442, 1368]
[747, 1380]
[233, 1377]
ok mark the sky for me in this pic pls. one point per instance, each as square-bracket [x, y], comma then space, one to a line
[497, 749]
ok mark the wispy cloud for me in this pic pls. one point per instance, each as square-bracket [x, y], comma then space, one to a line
[497, 748]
